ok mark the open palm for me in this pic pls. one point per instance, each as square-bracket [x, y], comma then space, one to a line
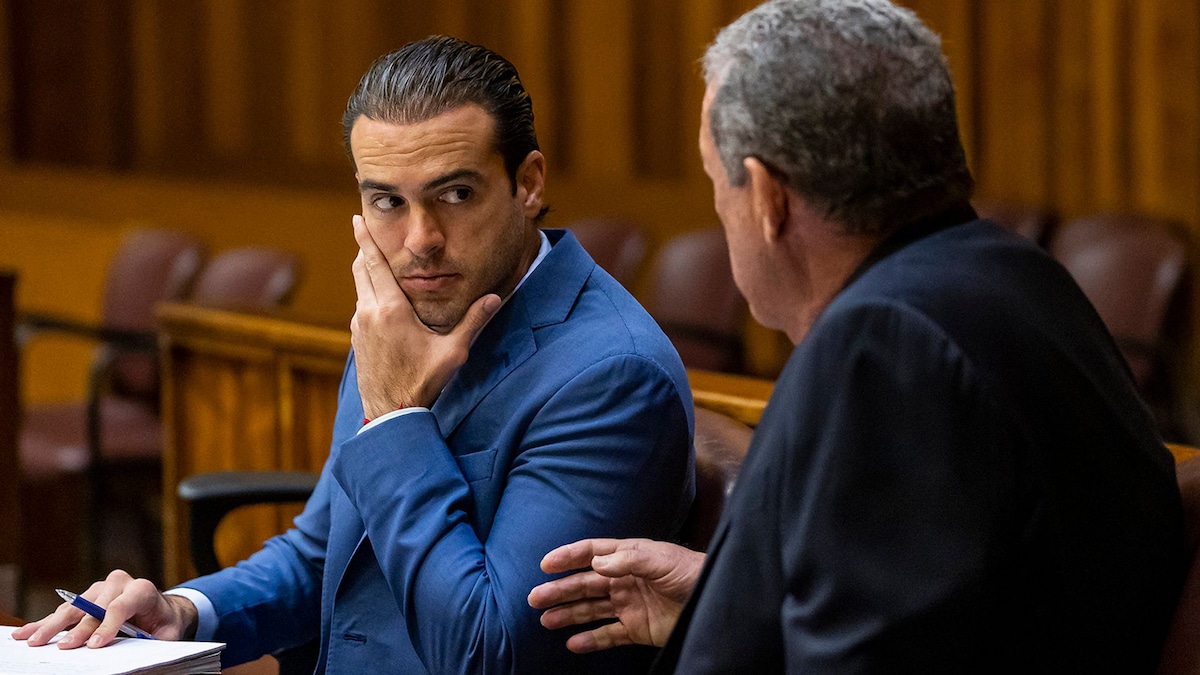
[641, 583]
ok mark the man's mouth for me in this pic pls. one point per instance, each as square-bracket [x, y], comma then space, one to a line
[427, 281]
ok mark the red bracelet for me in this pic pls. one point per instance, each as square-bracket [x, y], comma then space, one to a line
[367, 421]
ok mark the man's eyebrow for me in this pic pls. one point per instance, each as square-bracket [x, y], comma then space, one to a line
[365, 185]
[458, 174]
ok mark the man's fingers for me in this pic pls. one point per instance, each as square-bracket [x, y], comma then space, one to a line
[604, 637]
[378, 272]
[363, 288]
[569, 589]
[648, 560]
[577, 555]
[78, 636]
[576, 613]
[39, 633]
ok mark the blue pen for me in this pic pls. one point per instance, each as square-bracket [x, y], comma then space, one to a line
[97, 612]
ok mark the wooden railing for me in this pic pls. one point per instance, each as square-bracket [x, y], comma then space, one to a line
[244, 392]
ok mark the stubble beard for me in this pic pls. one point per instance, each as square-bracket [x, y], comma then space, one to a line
[496, 276]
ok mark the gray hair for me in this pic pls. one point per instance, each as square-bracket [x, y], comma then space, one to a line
[849, 101]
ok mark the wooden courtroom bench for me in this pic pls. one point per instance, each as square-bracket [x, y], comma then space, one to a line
[243, 392]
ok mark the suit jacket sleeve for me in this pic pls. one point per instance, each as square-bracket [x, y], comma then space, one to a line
[272, 600]
[616, 430]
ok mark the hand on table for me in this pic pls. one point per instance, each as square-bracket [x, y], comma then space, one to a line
[401, 361]
[641, 583]
[124, 599]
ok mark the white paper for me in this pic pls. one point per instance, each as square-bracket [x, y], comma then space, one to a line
[125, 655]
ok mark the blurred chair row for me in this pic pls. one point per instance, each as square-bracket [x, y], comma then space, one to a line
[691, 291]
[112, 441]
[1133, 267]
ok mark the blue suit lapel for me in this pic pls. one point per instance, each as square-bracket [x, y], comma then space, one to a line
[504, 344]
[544, 299]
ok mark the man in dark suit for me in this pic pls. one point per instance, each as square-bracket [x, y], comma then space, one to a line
[953, 473]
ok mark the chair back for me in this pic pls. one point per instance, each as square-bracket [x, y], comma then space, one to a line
[1133, 269]
[250, 279]
[1181, 653]
[150, 266]
[1035, 223]
[721, 444]
[694, 300]
[1130, 266]
[617, 245]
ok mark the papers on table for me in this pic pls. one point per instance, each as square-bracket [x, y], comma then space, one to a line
[125, 655]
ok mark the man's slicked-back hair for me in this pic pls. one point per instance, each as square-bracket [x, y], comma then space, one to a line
[426, 78]
[850, 101]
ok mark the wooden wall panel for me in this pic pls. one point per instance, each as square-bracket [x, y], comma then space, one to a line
[1079, 105]
[1165, 100]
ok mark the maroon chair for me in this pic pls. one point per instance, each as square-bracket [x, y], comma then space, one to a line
[1133, 268]
[721, 443]
[694, 300]
[59, 443]
[248, 279]
[1035, 223]
[617, 245]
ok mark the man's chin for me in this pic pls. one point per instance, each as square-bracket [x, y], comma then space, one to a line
[439, 321]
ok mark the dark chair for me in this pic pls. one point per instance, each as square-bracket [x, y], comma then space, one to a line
[694, 300]
[617, 245]
[118, 438]
[60, 443]
[1133, 268]
[248, 279]
[1180, 654]
[1035, 223]
[721, 443]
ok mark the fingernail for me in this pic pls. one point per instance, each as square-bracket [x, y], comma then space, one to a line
[94, 641]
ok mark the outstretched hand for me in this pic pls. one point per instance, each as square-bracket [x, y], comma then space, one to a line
[401, 361]
[641, 583]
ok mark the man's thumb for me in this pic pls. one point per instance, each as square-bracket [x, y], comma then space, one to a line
[480, 312]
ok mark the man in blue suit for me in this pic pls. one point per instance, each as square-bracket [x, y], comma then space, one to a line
[504, 396]
[953, 474]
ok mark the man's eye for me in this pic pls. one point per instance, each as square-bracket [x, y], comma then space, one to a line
[387, 202]
[456, 195]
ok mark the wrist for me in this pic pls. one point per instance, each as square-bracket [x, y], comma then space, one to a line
[187, 618]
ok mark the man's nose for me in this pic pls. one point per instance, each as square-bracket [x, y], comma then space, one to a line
[424, 236]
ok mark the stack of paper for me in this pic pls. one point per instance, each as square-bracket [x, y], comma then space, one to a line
[125, 655]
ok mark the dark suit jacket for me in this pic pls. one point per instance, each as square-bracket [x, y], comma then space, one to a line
[954, 474]
[571, 418]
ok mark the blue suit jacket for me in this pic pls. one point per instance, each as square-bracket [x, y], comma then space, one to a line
[953, 475]
[572, 418]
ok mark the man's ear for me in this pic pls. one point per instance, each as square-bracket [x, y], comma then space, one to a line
[768, 198]
[531, 179]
